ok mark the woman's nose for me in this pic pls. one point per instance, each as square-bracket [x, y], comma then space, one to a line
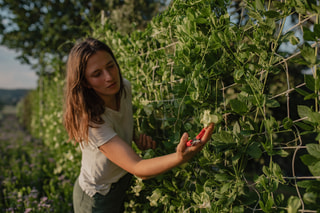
[107, 75]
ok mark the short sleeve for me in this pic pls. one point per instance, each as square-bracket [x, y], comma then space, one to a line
[101, 135]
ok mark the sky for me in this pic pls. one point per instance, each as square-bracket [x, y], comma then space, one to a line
[14, 75]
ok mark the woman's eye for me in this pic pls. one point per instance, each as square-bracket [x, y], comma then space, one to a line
[96, 74]
[110, 66]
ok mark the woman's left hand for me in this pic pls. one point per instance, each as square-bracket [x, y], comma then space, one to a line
[145, 142]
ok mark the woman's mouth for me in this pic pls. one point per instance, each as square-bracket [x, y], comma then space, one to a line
[112, 85]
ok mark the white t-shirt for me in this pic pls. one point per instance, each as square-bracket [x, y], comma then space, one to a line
[97, 171]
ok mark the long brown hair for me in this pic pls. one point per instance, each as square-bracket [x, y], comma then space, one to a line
[83, 107]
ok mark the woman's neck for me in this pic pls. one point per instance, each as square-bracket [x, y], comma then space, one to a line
[113, 103]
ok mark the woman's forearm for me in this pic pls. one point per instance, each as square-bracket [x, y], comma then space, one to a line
[147, 168]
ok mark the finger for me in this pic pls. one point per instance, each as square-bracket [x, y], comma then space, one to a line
[183, 142]
[140, 141]
[154, 145]
[201, 147]
[149, 142]
[145, 141]
[208, 133]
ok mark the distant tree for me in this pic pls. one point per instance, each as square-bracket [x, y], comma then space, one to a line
[39, 29]
[1, 107]
[130, 15]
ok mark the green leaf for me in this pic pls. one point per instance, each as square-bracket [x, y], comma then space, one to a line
[314, 117]
[187, 126]
[316, 9]
[271, 124]
[316, 29]
[259, 5]
[310, 96]
[317, 83]
[236, 128]
[225, 187]
[148, 109]
[308, 160]
[195, 197]
[310, 198]
[156, 195]
[272, 14]
[306, 184]
[303, 111]
[293, 204]
[222, 177]
[280, 5]
[247, 132]
[238, 106]
[308, 53]
[294, 40]
[201, 20]
[266, 171]
[277, 172]
[255, 15]
[302, 92]
[309, 80]
[305, 126]
[315, 169]
[287, 36]
[314, 150]
[190, 15]
[267, 206]
[238, 73]
[287, 123]
[238, 209]
[308, 35]
[318, 137]
[301, 6]
[272, 103]
[282, 153]
[254, 83]
[254, 150]
[223, 137]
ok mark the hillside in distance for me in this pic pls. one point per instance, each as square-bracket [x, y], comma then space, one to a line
[12, 96]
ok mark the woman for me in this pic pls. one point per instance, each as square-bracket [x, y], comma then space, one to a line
[98, 115]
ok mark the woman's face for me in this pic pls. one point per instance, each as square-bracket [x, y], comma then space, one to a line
[102, 75]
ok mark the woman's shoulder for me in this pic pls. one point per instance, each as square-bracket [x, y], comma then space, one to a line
[126, 83]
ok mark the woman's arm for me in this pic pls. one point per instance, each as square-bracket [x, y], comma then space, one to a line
[120, 153]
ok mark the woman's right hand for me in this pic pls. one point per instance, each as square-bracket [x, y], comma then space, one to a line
[185, 153]
[145, 142]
